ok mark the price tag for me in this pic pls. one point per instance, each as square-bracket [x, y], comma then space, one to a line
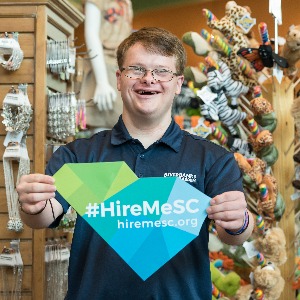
[14, 99]
[206, 95]
[7, 43]
[250, 249]
[14, 138]
[246, 23]
[201, 129]
[64, 254]
[72, 60]
[7, 260]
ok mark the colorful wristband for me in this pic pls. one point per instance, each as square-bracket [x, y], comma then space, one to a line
[243, 228]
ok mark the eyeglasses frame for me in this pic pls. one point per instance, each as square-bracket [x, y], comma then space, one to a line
[145, 72]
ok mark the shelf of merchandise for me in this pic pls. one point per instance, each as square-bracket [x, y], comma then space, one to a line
[35, 21]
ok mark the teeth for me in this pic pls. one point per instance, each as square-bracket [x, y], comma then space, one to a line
[143, 92]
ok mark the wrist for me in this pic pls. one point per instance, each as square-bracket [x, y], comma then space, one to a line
[30, 213]
[243, 228]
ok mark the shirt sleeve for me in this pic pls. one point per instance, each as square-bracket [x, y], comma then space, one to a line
[60, 157]
[224, 176]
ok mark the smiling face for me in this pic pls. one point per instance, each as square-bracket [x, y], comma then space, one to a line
[146, 98]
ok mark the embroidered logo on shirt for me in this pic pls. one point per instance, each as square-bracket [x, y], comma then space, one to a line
[183, 176]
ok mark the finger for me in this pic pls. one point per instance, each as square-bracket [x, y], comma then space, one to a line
[228, 196]
[34, 198]
[99, 105]
[231, 225]
[109, 103]
[95, 100]
[36, 187]
[104, 103]
[37, 178]
[227, 216]
[226, 207]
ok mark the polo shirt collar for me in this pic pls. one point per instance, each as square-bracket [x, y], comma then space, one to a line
[172, 137]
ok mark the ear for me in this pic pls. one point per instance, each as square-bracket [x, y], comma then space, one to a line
[118, 75]
[180, 80]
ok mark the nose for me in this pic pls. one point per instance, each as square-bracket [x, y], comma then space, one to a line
[148, 77]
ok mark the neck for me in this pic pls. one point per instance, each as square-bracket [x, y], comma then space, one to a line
[146, 131]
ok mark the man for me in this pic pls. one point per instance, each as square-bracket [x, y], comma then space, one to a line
[151, 63]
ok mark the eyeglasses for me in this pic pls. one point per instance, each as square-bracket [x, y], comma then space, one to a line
[136, 72]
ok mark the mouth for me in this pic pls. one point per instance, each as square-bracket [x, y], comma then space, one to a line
[146, 92]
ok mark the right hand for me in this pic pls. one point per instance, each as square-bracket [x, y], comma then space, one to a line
[34, 190]
[104, 96]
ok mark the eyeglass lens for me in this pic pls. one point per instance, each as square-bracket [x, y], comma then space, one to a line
[157, 74]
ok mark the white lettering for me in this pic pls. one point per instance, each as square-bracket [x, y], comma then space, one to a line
[110, 209]
[166, 208]
[135, 210]
[178, 204]
[147, 208]
[188, 206]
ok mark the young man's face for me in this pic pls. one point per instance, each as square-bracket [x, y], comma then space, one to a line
[145, 96]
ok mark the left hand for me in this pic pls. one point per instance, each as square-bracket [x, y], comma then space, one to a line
[228, 210]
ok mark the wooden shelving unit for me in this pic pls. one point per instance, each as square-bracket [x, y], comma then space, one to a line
[281, 95]
[36, 21]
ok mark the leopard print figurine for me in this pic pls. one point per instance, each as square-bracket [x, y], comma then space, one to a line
[227, 27]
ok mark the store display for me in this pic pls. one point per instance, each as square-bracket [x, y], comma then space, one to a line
[264, 56]
[81, 115]
[16, 113]
[11, 271]
[216, 85]
[263, 113]
[107, 23]
[10, 47]
[61, 58]
[23, 56]
[272, 244]
[61, 115]
[291, 49]
[57, 253]
[246, 59]
[226, 282]
[269, 281]
[227, 27]
[14, 153]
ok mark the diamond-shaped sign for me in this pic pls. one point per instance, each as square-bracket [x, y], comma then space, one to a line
[146, 221]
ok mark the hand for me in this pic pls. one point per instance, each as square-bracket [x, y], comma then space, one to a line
[104, 96]
[228, 210]
[34, 190]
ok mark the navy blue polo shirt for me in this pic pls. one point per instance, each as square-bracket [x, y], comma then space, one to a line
[96, 271]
